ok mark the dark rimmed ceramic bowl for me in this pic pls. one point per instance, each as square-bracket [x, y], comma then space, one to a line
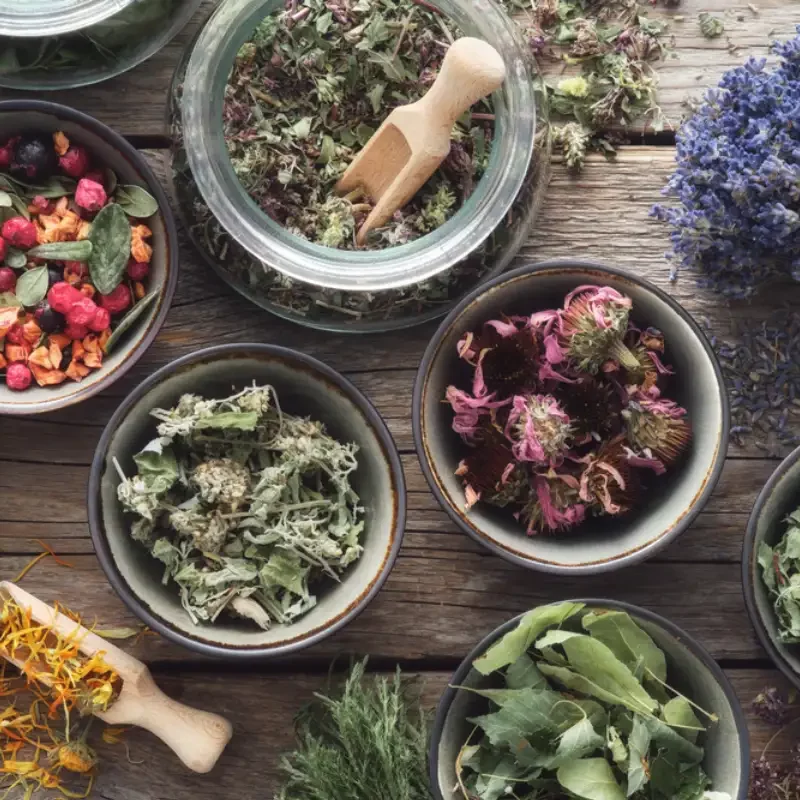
[114, 151]
[779, 497]
[305, 386]
[600, 544]
[691, 670]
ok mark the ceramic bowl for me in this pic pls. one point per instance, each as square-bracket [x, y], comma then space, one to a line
[306, 387]
[600, 544]
[109, 148]
[779, 497]
[691, 670]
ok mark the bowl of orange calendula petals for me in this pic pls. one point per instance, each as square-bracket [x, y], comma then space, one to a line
[88, 256]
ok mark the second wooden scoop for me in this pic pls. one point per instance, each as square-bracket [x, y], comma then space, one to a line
[197, 737]
[414, 140]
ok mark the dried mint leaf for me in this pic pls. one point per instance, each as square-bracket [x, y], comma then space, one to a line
[62, 251]
[32, 286]
[110, 236]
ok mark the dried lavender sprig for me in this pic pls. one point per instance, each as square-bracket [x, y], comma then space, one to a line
[761, 366]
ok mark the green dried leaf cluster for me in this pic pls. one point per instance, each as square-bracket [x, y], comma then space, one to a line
[582, 709]
[98, 47]
[368, 741]
[711, 26]
[309, 90]
[249, 508]
[608, 49]
[780, 571]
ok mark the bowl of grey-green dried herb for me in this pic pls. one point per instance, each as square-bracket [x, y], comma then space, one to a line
[246, 501]
[771, 566]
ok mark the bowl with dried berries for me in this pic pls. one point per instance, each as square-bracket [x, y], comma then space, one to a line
[589, 699]
[246, 501]
[570, 417]
[88, 256]
[771, 566]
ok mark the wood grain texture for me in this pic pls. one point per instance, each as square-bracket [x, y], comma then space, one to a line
[261, 708]
[135, 103]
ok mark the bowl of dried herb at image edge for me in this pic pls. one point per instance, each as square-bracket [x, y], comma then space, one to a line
[126, 182]
[660, 497]
[246, 501]
[589, 698]
[771, 566]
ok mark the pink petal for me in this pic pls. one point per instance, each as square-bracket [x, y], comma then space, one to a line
[659, 364]
[471, 496]
[507, 473]
[546, 372]
[552, 350]
[505, 329]
[465, 344]
[644, 461]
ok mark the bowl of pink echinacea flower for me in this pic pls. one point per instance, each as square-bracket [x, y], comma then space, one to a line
[571, 417]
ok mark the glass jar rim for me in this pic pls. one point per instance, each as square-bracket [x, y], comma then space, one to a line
[40, 18]
[375, 270]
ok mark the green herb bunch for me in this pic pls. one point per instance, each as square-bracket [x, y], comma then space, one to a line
[369, 741]
[581, 708]
[248, 507]
[780, 571]
[309, 90]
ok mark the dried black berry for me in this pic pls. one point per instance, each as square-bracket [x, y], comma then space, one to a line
[54, 275]
[66, 357]
[49, 321]
[34, 159]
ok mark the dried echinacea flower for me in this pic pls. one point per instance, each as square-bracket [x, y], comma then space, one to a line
[594, 405]
[592, 325]
[607, 479]
[554, 504]
[510, 365]
[490, 472]
[658, 426]
[539, 429]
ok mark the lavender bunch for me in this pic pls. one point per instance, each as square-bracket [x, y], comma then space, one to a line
[738, 179]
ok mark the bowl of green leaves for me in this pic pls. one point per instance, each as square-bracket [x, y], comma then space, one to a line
[246, 501]
[593, 699]
[771, 566]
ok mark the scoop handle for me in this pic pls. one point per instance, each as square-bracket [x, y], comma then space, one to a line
[197, 737]
[471, 69]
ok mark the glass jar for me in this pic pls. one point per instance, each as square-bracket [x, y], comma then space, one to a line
[46, 47]
[340, 289]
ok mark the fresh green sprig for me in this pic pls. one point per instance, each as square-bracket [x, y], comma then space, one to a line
[366, 742]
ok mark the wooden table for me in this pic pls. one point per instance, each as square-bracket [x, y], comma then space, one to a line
[445, 591]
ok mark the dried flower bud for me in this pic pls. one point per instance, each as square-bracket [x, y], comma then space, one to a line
[592, 325]
[539, 429]
[657, 426]
[554, 505]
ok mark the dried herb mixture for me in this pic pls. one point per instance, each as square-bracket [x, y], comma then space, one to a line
[566, 412]
[584, 711]
[308, 91]
[97, 48]
[247, 506]
[780, 571]
[74, 260]
[768, 780]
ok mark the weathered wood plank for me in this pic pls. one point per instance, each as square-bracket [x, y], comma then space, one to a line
[261, 708]
[135, 103]
[434, 605]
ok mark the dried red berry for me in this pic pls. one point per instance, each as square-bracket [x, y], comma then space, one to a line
[3, 249]
[138, 270]
[7, 153]
[97, 176]
[82, 312]
[75, 162]
[43, 204]
[8, 279]
[18, 376]
[101, 321]
[118, 300]
[62, 296]
[20, 232]
[75, 331]
[15, 334]
[90, 195]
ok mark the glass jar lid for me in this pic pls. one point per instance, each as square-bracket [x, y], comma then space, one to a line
[28, 18]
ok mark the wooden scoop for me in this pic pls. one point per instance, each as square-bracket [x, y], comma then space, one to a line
[414, 140]
[197, 737]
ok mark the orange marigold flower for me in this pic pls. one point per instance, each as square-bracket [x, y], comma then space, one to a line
[76, 757]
